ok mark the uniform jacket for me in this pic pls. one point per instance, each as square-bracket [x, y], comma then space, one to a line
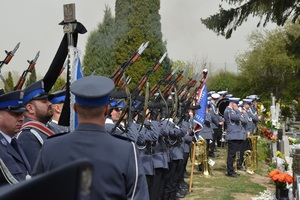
[30, 143]
[233, 124]
[114, 159]
[216, 118]
[147, 138]
[207, 130]
[58, 128]
[132, 132]
[176, 136]
[17, 164]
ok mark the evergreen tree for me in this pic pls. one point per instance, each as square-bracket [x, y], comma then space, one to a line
[99, 55]
[138, 22]
[10, 82]
[227, 20]
[59, 84]
[31, 79]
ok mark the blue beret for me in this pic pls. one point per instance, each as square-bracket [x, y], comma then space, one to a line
[58, 97]
[12, 101]
[234, 100]
[92, 90]
[35, 91]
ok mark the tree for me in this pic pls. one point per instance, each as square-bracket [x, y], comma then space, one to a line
[99, 55]
[10, 82]
[224, 81]
[59, 84]
[137, 22]
[271, 66]
[227, 20]
[31, 79]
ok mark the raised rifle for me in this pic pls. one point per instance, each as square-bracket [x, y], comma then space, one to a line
[125, 83]
[119, 72]
[184, 90]
[188, 102]
[170, 86]
[137, 90]
[30, 68]
[9, 55]
[165, 80]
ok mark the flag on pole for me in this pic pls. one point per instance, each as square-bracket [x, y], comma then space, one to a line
[200, 114]
[76, 73]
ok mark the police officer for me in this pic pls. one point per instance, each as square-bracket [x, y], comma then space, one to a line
[13, 162]
[147, 139]
[118, 171]
[57, 102]
[234, 136]
[34, 130]
[126, 127]
[217, 122]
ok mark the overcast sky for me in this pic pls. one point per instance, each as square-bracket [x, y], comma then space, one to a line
[34, 23]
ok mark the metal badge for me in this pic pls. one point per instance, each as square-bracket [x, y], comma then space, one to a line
[85, 183]
[3, 141]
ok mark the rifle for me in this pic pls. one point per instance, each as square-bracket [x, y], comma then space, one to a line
[165, 80]
[30, 68]
[137, 90]
[9, 55]
[188, 103]
[184, 90]
[126, 82]
[171, 84]
[119, 72]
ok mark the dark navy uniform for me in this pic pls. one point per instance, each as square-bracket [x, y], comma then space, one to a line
[118, 171]
[13, 162]
[33, 132]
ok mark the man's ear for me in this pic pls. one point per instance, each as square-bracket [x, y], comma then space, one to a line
[106, 111]
[30, 107]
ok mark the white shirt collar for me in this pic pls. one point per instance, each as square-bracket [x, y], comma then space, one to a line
[8, 138]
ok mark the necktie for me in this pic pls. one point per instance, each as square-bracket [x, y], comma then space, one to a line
[14, 144]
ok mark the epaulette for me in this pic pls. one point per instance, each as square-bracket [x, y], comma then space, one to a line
[56, 135]
[123, 138]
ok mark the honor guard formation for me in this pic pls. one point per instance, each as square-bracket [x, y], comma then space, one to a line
[94, 139]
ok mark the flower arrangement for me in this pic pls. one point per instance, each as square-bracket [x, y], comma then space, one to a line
[284, 163]
[281, 179]
[269, 135]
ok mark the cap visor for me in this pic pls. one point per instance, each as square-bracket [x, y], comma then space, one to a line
[18, 110]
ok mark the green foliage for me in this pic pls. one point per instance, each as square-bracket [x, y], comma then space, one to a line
[227, 20]
[10, 82]
[268, 66]
[136, 23]
[31, 79]
[99, 56]
[59, 84]
[225, 81]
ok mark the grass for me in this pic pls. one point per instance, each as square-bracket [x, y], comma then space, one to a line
[218, 186]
